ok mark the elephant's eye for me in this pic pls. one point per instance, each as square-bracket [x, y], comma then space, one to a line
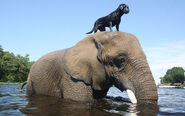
[119, 62]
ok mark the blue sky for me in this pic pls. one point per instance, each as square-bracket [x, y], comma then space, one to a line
[36, 27]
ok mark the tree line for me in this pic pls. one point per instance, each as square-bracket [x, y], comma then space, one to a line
[13, 68]
[173, 75]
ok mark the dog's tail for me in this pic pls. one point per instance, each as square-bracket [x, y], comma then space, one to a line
[91, 30]
[94, 28]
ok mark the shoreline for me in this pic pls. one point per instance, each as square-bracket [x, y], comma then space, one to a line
[11, 83]
[168, 86]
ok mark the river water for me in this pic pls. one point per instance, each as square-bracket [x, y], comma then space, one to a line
[13, 103]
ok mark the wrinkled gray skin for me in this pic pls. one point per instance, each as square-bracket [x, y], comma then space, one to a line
[86, 71]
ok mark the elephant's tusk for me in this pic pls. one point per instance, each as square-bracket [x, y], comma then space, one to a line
[131, 96]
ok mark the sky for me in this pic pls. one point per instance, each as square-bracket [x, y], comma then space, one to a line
[37, 27]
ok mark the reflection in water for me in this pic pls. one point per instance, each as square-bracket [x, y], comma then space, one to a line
[47, 106]
[50, 106]
[147, 110]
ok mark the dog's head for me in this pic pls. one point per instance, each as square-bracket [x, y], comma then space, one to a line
[124, 8]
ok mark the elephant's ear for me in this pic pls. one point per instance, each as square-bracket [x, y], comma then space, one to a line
[100, 49]
[83, 62]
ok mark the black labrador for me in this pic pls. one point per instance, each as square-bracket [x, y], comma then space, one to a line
[110, 20]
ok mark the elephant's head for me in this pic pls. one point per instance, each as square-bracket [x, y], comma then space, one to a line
[116, 57]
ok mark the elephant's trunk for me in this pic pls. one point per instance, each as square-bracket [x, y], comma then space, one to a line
[140, 86]
[143, 83]
[145, 88]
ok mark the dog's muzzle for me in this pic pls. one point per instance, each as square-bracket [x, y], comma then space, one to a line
[126, 10]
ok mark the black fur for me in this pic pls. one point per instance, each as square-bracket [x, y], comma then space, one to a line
[110, 20]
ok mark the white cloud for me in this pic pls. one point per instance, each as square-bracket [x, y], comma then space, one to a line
[165, 56]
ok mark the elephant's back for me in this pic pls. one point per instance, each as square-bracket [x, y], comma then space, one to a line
[48, 58]
[52, 55]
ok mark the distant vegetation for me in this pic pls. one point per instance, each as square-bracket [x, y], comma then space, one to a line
[173, 75]
[13, 68]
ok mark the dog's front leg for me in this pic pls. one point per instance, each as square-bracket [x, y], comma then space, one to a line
[110, 26]
[117, 27]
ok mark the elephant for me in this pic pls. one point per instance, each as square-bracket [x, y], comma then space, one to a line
[86, 71]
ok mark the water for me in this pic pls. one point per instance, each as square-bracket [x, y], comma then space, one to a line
[13, 103]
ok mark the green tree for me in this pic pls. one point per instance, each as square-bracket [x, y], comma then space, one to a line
[23, 67]
[14, 68]
[9, 66]
[1, 51]
[173, 75]
[1, 67]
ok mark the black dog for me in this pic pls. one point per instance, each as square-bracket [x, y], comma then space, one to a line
[110, 20]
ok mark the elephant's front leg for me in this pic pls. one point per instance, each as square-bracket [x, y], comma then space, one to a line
[77, 91]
